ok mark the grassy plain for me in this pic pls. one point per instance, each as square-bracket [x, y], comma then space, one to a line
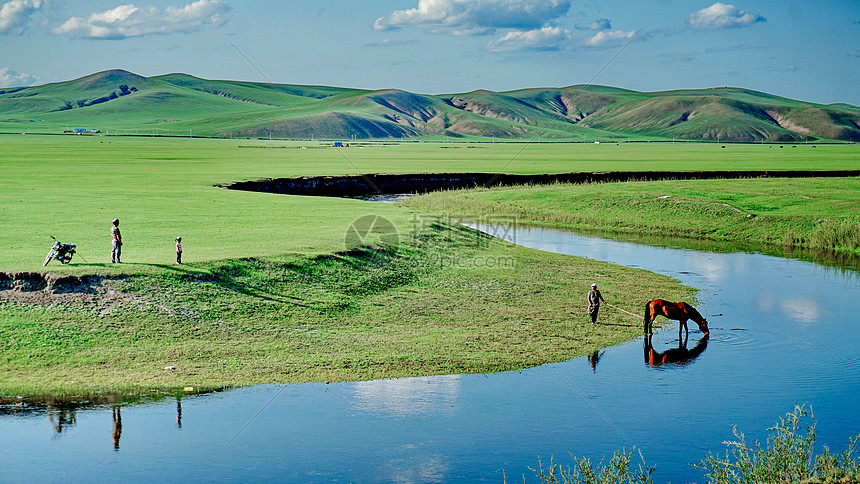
[72, 186]
[798, 213]
[267, 293]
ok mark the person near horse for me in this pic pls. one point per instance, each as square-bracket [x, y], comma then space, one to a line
[594, 298]
[116, 242]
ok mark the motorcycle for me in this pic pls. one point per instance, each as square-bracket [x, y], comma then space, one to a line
[61, 251]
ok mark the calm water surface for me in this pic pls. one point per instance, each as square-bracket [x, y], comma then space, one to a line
[783, 332]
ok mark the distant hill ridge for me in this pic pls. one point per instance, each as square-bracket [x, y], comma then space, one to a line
[181, 104]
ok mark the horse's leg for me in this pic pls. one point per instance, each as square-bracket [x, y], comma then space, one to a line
[645, 321]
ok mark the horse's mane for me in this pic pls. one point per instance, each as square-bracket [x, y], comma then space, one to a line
[692, 312]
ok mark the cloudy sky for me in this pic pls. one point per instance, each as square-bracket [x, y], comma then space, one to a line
[803, 50]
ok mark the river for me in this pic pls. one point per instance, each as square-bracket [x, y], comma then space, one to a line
[783, 332]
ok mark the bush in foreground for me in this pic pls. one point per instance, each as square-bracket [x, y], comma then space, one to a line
[787, 457]
[617, 471]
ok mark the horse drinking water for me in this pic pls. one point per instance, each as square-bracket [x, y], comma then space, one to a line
[680, 311]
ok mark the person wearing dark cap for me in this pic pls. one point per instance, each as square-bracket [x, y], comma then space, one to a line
[594, 298]
[116, 242]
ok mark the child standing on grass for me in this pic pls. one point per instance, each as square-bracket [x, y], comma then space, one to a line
[179, 250]
[116, 242]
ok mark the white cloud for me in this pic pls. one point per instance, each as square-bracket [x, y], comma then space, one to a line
[722, 16]
[599, 24]
[10, 78]
[547, 38]
[391, 43]
[474, 17]
[14, 14]
[609, 38]
[129, 20]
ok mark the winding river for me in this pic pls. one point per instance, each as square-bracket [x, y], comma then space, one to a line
[784, 332]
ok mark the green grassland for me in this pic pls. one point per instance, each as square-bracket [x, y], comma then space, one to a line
[436, 306]
[71, 187]
[269, 294]
[795, 213]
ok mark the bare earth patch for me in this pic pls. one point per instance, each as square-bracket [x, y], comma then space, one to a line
[45, 289]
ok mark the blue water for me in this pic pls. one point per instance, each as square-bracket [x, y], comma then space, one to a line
[783, 332]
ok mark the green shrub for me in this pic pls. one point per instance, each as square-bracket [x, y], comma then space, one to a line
[788, 457]
[616, 471]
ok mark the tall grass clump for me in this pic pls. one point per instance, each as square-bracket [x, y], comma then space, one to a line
[787, 457]
[616, 471]
[838, 233]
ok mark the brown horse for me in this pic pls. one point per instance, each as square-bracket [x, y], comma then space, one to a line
[680, 311]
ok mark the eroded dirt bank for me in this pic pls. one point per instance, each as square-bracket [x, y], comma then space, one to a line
[375, 184]
[47, 288]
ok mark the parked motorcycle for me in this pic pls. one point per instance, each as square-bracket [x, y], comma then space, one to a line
[60, 251]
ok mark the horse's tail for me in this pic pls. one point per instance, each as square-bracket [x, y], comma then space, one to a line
[647, 313]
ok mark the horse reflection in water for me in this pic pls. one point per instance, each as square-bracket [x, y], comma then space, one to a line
[678, 356]
[679, 311]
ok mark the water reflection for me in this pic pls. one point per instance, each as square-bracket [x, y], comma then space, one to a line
[117, 426]
[408, 396]
[801, 310]
[61, 416]
[840, 261]
[63, 413]
[593, 359]
[675, 356]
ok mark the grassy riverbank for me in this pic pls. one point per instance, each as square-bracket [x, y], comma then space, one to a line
[811, 213]
[447, 301]
[269, 292]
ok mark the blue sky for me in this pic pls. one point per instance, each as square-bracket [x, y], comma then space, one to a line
[803, 50]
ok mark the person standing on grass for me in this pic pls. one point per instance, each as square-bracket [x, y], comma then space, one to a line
[179, 250]
[116, 242]
[594, 298]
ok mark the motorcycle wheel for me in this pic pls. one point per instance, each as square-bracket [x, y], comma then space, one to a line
[48, 258]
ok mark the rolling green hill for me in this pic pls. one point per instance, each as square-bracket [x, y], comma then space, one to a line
[120, 102]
